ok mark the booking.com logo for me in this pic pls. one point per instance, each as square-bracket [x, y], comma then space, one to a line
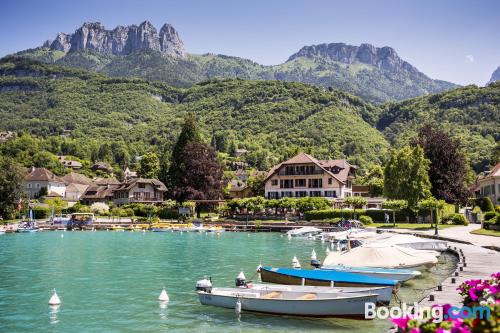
[420, 312]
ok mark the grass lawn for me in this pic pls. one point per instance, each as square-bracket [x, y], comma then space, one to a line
[414, 226]
[486, 232]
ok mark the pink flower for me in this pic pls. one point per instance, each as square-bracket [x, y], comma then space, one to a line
[494, 289]
[496, 275]
[473, 283]
[401, 322]
[472, 294]
[415, 330]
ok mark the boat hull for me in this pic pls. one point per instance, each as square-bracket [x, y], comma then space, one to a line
[343, 307]
[271, 276]
[391, 274]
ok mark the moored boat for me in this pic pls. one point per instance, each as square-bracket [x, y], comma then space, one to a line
[320, 277]
[294, 303]
[304, 232]
[384, 273]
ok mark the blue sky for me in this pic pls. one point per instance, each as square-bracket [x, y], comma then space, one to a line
[452, 40]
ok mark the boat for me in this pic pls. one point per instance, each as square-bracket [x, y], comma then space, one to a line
[161, 227]
[384, 293]
[382, 256]
[295, 303]
[117, 228]
[304, 232]
[413, 242]
[27, 226]
[319, 277]
[383, 273]
[216, 229]
[79, 221]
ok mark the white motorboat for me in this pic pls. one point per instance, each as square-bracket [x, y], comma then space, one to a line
[381, 256]
[383, 273]
[297, 303]
[413, 242]
[304, 232]
[384, 293]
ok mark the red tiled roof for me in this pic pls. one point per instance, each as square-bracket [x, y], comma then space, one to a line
[42, 174]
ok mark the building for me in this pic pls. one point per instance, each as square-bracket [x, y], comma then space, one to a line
[238, 189]
[70, 164]
[139, 190]
[488, 185]
[303, 175]
[101, 191]
[76, 186]
[40, 179]
[129, 174]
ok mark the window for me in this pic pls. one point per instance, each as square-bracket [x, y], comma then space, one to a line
[331, 194]
[300, 194]
[137, 195]
[330, 180]
[37, 185]
[29, 185]
[315, 193]
[286, 194]
[315, 183]
[300, 183]
[142, 185]
[273, 195]
[286, 183]
[274, 182]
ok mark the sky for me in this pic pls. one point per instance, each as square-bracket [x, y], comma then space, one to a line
[452, 40]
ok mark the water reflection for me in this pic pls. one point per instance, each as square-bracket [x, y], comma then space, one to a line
[54, 310]
[163, 305]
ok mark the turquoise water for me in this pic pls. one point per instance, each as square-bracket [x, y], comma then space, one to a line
[110, 281]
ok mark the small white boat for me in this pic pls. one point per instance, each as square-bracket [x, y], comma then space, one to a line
[383, 273]
[296, 303]
[304, 232]
[29, 226]
[384, 294]
[412, 242]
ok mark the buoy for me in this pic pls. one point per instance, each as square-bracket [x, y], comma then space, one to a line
[295, 262]
[289, 236]
[54, 300]
[322, 240]
[327, 250]
[240, 280]
[313, 255]
[62, 236]
[163, 296]
[259, 268]
[281, 235]
[237, 306]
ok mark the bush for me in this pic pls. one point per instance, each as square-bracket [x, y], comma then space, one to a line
[485, 204]
[377, 215]
[489, 215]
[41, 212]
[168, 213]
[497, 209]
[365, 219]
[459, 219]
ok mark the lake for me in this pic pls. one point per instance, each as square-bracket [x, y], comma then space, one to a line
[110, 281]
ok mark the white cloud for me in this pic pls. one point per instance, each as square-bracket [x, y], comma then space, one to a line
[469, 59]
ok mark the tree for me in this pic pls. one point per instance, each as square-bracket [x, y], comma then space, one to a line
[189, 133]
[105, 153]
[256, 184]
[394, 205]
[149, 165]
[11, 186]
[306, 204]
[57, 204]
[448, 168]
[432, 204]
[374, 179]
[406, 176]
[355, 203]
[44, 159]
[200, 175]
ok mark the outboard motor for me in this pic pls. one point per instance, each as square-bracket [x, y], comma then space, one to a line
[240, 280]
[204, 285]
[315, 263]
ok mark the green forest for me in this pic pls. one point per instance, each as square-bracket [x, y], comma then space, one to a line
[76, 112]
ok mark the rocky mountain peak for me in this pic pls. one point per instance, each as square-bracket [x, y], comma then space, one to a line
[495, 76]
[385, 57]
[121, 40]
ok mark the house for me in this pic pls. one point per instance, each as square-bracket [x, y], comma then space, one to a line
[101, 191]
[41, 179]
[243, 174]
[304, 175]
[70, 164]
[102, 166]
[129, 174]
[238, 189]
[76, 186]
[488, 185]
[139, 190]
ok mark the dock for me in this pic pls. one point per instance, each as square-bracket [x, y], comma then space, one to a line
[476, 262]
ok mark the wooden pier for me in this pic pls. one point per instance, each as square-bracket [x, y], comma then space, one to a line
[476, 262]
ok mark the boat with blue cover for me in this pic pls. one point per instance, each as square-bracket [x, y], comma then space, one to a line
[383, 273]
[320, 277]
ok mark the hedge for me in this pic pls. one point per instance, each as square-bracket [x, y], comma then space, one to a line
[485, 204]
[41, 212]
[377, 215]
[489, 215]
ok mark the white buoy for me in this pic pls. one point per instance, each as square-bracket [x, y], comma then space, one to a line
[313, 255]
[259, 268]
[289, 236]
[163, 296]
[62, 236]
[237, 306]
[241, 276]
[54, 300]
[327, 250]
[295, 262]
[322, 240]
[281, 235]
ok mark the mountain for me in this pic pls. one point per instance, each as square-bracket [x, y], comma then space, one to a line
[119, 41]
[271, 119]
[375, 74]
[495, 76]
[471, 114]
